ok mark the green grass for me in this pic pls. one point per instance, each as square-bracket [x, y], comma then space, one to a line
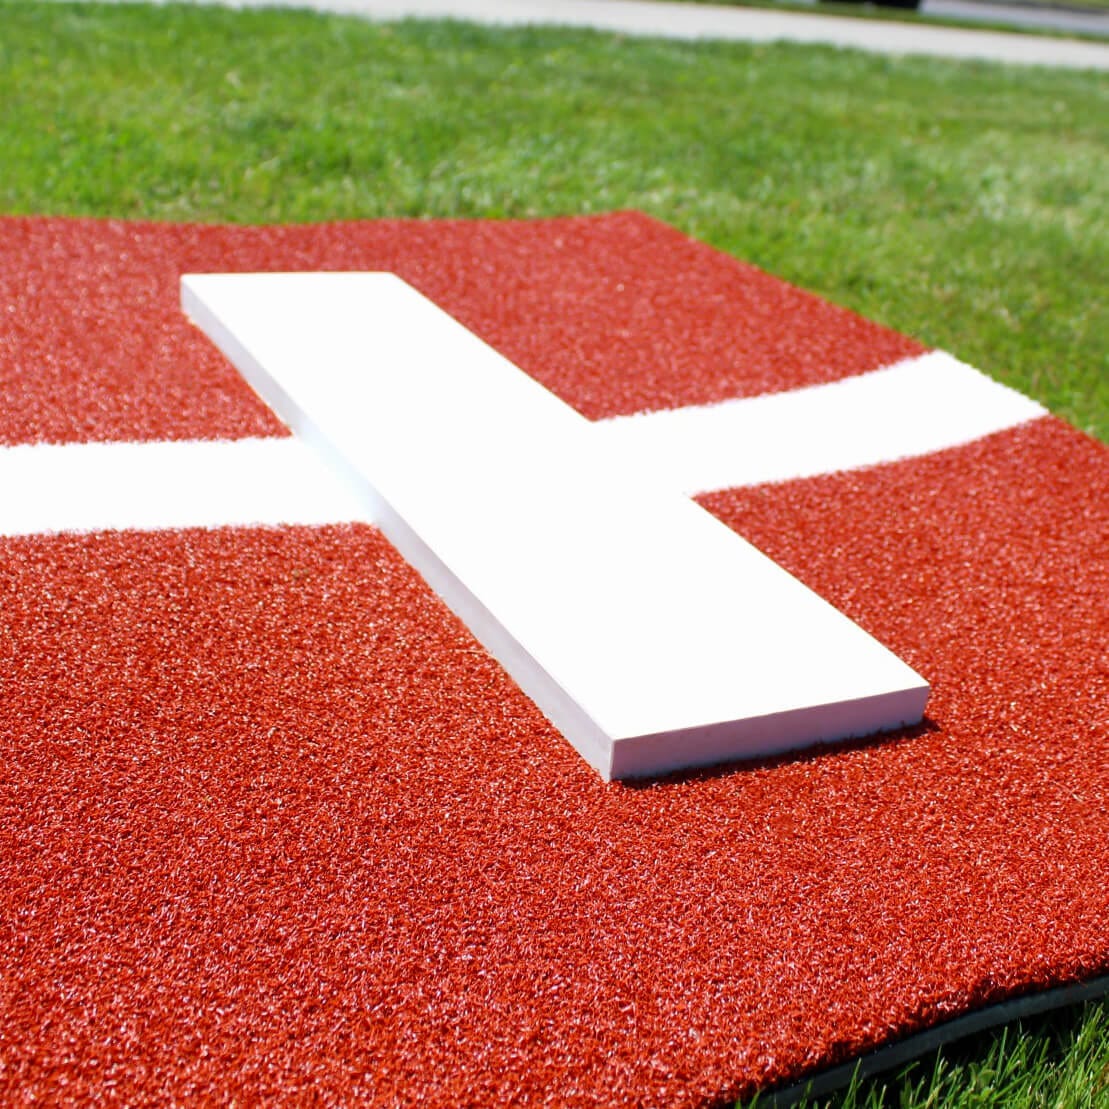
[961, 202]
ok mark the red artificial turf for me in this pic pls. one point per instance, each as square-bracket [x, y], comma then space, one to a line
[615, 314]
[273, 826]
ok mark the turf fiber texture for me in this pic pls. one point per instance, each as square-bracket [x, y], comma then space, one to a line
[273, 826]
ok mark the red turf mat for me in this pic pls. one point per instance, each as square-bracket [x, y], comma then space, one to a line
[272, 826]
[615, 314]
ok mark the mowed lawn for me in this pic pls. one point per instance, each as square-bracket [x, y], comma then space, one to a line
[964, 203]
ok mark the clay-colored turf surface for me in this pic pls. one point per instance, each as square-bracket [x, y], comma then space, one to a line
[273, 823]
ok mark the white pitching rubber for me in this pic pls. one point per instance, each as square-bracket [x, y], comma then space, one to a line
[649, 633]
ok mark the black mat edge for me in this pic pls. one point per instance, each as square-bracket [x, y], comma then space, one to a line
[913, 1047]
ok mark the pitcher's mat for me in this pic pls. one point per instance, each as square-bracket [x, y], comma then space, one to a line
[273, 826]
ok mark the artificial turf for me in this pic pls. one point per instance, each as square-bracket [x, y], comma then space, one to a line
[960, 202]
[255, 799]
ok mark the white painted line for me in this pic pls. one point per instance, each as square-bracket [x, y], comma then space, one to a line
[913, 408]
[105, 486]
[651, 635]
[917, 407]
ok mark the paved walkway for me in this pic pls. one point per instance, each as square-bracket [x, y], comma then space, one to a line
[1009, 13]
[696, 21]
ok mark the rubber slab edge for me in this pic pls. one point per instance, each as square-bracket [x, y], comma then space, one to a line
[581, 731]
[766, 736]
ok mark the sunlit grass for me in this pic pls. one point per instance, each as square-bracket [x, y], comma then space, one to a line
[961, 202]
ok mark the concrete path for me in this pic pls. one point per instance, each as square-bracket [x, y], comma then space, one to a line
[1037, 17]
[704, 21]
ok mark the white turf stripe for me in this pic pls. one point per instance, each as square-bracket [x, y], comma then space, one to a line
[913, 408]
[103, 486]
